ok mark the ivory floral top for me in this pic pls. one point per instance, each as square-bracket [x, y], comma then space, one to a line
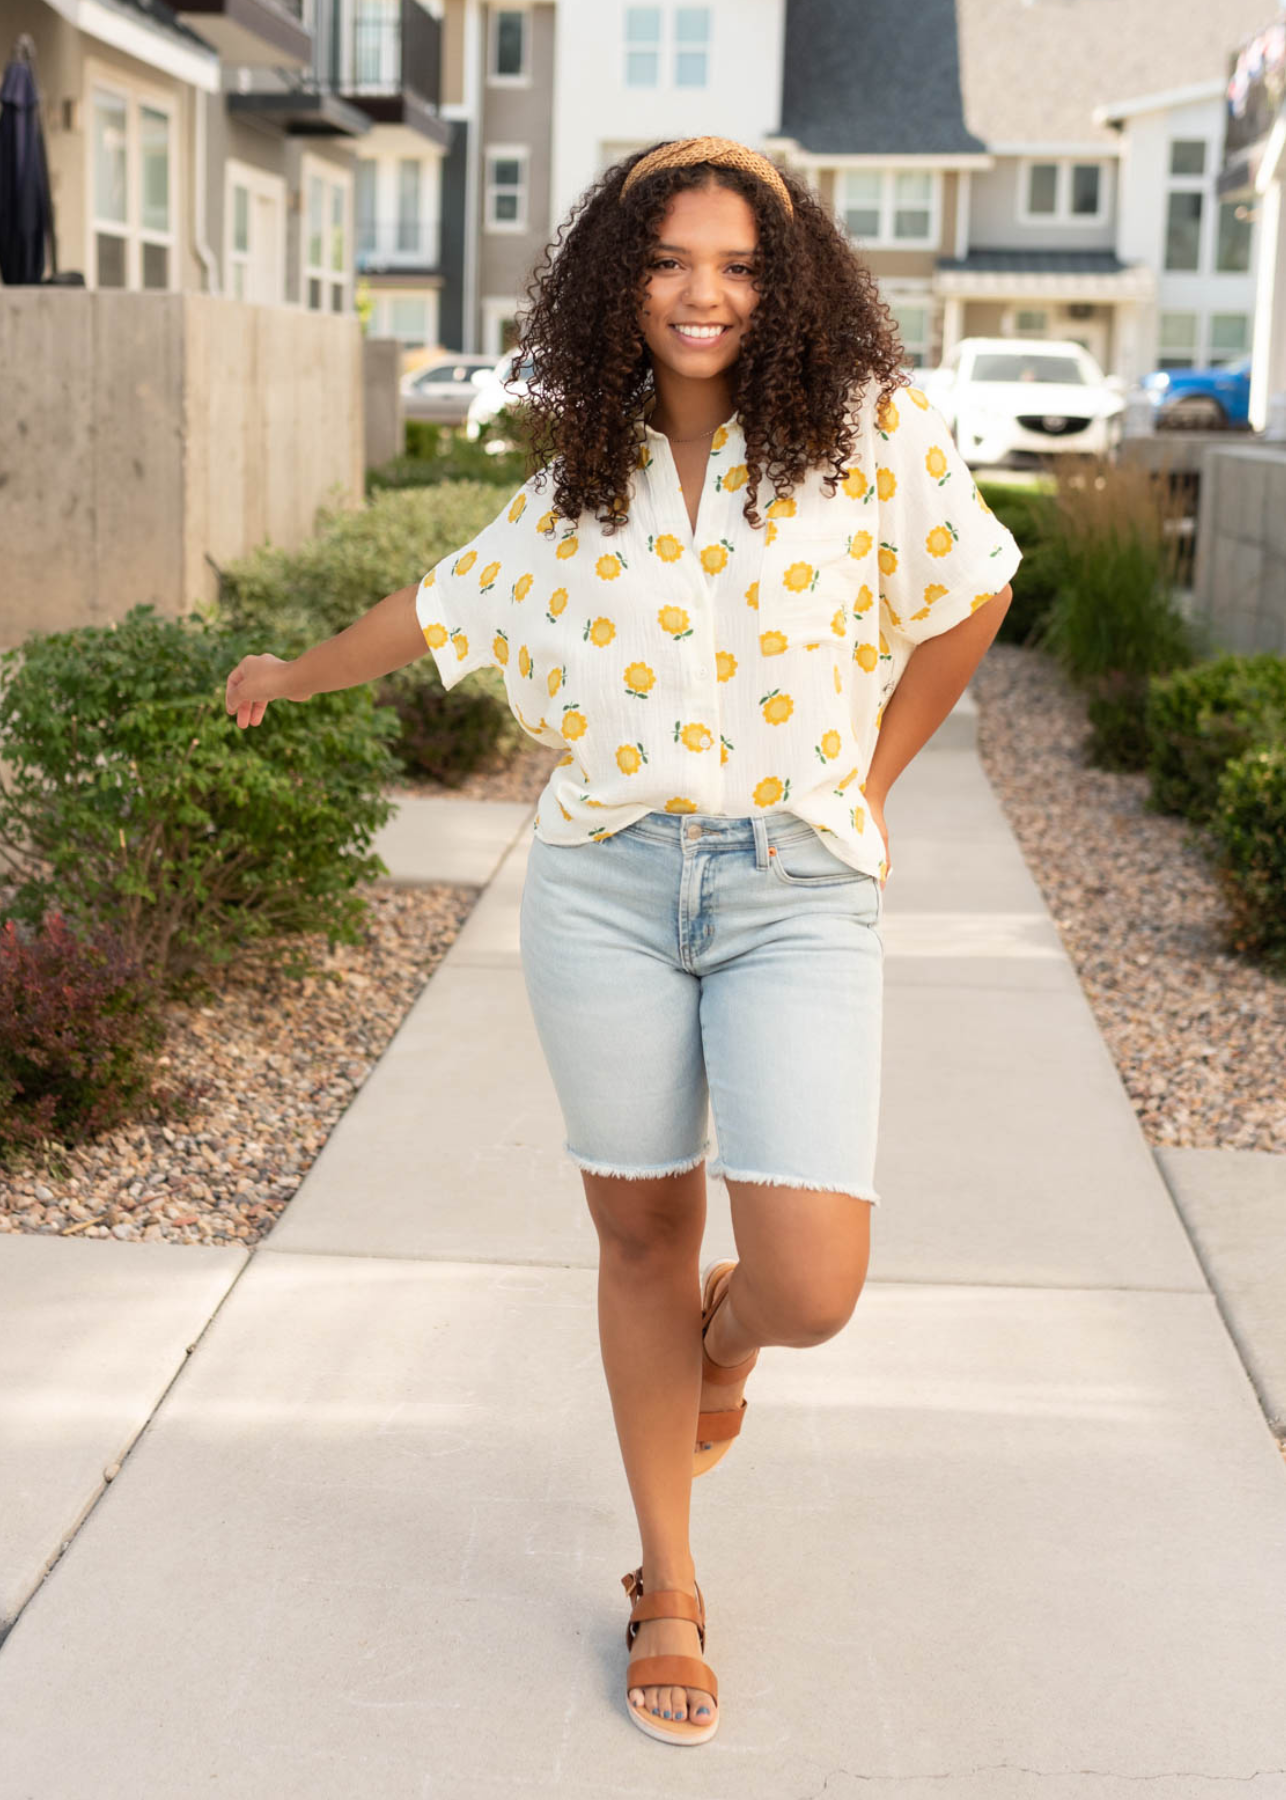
[744, 669]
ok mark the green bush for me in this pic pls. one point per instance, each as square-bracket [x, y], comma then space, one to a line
[1249, 830]
[1199, 719]
[1114, 622]
[1028, 513]
[290, 600]
[444, 453]
[134, 801]
[82, 1026]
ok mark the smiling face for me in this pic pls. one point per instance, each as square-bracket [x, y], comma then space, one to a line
[700, 271]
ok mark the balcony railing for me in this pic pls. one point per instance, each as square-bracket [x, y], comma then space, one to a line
[397, 243]
[391, 53]
[1256, 92]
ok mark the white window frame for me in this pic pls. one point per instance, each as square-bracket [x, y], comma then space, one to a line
[496, 308]
[888, 204]
[493, 153]
[1203, 351]
[334, 177]
[918, 349]
[680, 47]
[1191, 184]
[271, 187]
[1062, 213]
[382, 314]
[135, 94]
[668, 49]
[494, 78]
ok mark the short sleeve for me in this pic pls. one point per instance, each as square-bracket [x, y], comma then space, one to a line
[456, 602]
[943, 552]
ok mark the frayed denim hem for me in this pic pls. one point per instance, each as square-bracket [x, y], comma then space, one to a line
[605, 1168]
[719, 1171]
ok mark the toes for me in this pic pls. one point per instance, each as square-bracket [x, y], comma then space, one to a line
[636, 1697]
[675, 1702]
[700, 1707]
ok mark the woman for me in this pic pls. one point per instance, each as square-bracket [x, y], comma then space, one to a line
[700, 917]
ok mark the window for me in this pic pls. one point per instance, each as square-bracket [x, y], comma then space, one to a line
[889, 206]
[1229, 337]
[912, 319]
[506, 194]
[507, 60]
[408, 203]
[691, 46]
[377, 45]
[1177, 340]
[688, 58]
[254, 247]
[365, 189]
[326, 259]
[1232, 250]
[1065, 192]
[1031, 321]
[1185, 204]
[132, 228]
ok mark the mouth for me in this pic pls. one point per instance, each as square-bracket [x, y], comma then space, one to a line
[701, 336]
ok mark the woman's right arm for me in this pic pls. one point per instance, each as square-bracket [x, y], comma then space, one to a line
[386, 638]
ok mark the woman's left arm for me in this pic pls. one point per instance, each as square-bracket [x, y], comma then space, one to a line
[933, 680]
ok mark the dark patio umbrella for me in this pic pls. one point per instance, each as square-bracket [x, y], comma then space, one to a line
[26, 205]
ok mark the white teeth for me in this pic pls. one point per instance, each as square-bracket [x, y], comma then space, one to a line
[700, 331]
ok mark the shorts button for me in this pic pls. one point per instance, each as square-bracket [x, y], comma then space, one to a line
[694, 831]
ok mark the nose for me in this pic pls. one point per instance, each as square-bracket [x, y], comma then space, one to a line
[701, 286]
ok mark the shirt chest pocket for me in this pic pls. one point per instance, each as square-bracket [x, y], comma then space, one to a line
[807, 584]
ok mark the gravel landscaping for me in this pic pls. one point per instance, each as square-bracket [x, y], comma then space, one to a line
[1199, 1036]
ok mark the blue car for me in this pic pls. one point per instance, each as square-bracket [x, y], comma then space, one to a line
[1201, 399]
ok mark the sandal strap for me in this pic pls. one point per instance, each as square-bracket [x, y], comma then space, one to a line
[666, 1603]
[714, 1427]
[672, 1671]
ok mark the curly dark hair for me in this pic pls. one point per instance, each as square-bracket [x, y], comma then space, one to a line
[818, 334]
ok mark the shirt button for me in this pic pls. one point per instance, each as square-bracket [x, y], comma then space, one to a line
[702, 671]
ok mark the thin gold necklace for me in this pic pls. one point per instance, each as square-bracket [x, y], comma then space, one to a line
[692, 440]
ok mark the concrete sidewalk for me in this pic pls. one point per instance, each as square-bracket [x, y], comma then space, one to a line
[1019, 1530]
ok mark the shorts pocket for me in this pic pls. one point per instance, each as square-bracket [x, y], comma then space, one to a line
[810, 862]
[807, 585]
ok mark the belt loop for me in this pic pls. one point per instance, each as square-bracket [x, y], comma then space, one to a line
[760, 825]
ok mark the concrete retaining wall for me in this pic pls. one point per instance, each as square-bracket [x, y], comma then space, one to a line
[385, 420]
[141, 431]
[1239, 580]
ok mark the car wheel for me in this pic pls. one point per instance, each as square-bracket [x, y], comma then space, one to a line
[1193, 412]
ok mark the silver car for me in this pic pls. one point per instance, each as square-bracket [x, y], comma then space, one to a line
[444, 391]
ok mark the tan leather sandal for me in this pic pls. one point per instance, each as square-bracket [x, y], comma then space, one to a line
[718, 1428]
[668, 1671]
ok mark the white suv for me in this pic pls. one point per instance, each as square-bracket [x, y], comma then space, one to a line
[1041, 396]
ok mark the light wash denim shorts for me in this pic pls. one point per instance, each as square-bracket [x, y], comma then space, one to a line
[695, 963]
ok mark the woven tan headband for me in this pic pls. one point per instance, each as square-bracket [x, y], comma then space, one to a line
[726, 152]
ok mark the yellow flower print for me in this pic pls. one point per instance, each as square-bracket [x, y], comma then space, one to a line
[693, 737]
[977, 494]
[720, 438]
[724, 747]
[857, 815]
[861, 544]
[770, 791]
[921, 399]
[886, 483]
[772, 643]
[522, 587]
[934, 591]
[599, 631]
[935, 462]
[770, 532]
[839, 680]
[715, 556]
[732, 479]
[667, 547]
[782, 509]
[941, 539]
[568, 547]
[639, 680]
[575, 724]
[564, 760]
[500, 648]
[843, 781]
[800, 577]
[674, 620]
[546, 522]
[630, 758]
[644, 457]
[524, 661]
[752, 595]
[680, 804]
[894, 618]
[461, 643]
[878, 717]
[884, 646]
[886, 418]
[430, 578]
[725, 664]
[465, 563]
[516, 510]
[777, 707]
[608, 567]
[855, 484]
[487, 579]
[435, 635]
[888, 559]
[829, 746]
[839, 621]
[563, 810]
[865, 599]
[555, 681]
[867, 656]
[557, 601]
[977, 601]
